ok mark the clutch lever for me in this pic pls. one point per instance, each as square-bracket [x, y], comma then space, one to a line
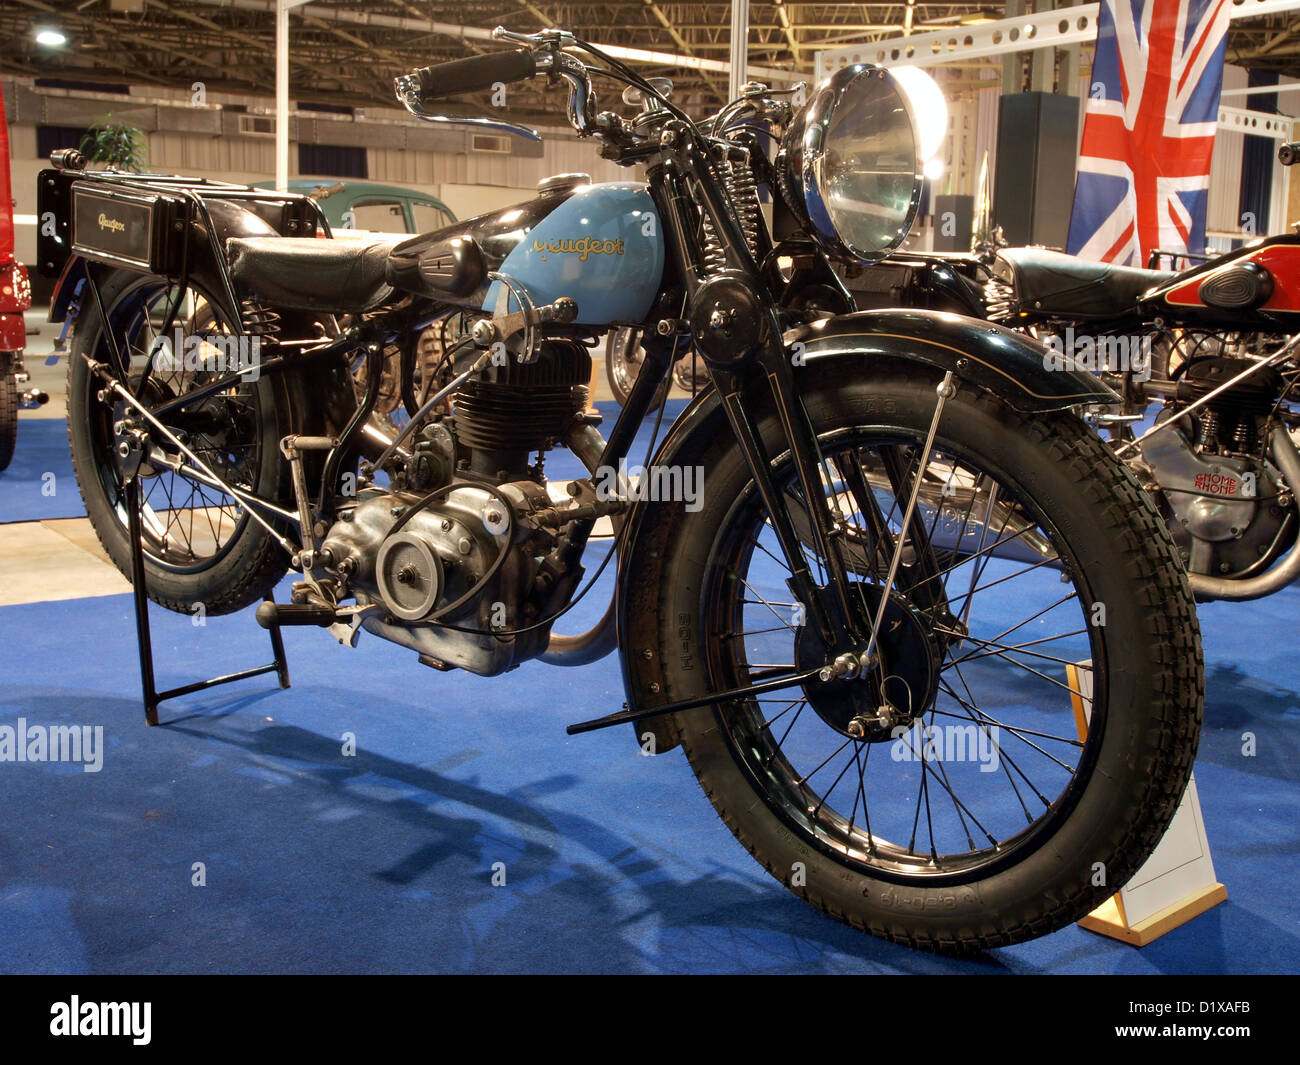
[563, 38]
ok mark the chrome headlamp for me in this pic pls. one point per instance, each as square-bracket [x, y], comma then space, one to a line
[851, 162]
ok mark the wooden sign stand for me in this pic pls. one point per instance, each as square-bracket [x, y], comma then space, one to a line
[1176, 883]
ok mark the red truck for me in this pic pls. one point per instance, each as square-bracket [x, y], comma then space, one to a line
[15, 297]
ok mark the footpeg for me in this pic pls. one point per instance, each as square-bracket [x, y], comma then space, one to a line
[269, 615]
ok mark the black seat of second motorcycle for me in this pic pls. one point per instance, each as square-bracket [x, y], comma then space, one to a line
[345, 275]
[1048, 281]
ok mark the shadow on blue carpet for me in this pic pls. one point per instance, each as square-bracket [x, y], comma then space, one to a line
[314, 860]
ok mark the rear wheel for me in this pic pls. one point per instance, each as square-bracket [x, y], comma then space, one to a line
[200, 544]
[983, 805]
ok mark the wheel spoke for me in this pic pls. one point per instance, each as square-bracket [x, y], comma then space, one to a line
[955, 811]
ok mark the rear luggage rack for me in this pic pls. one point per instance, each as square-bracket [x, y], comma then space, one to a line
[133, 220]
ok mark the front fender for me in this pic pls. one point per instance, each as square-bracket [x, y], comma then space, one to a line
[981, 354]
[1009, 364]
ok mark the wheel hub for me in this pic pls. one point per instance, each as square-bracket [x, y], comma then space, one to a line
[126, 415]
[895, 691]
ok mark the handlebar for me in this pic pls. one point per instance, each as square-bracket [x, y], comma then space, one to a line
[544, 53]
[474, 74]
[1289, 153]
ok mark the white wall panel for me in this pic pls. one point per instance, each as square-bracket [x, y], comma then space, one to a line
[1221, 217]
[488, 168]
[184, 153]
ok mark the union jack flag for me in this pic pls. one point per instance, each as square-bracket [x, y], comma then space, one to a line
[1148, 131]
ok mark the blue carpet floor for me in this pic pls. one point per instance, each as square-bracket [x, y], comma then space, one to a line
[383, 861]
[39, 483]
[320, 861]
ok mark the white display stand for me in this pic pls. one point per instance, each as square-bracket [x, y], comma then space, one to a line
[1176, 883]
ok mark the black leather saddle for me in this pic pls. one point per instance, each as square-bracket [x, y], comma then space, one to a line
[1048, 282]
[305, 273]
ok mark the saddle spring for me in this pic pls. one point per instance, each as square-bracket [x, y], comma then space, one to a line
[258, 319]
[999, 300]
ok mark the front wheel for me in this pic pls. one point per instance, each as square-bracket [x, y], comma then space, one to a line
[1031, 726]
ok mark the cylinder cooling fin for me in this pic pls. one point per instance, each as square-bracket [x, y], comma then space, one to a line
[523, 406]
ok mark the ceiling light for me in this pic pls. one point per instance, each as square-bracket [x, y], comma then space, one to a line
[50, 38]
[974, 18]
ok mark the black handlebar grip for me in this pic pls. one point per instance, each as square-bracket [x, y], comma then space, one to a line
[1288, 153]
[476, 73]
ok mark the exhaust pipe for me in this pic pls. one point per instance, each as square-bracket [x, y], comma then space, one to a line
[602, 638]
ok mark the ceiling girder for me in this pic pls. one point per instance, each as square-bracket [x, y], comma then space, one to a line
[346, 51]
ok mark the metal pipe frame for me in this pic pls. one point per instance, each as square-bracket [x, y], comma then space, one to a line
[1023, 33]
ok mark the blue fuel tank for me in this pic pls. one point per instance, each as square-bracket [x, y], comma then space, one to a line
[603, 247]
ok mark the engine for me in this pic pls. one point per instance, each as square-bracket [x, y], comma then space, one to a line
[1225, 505]
[1230, 424]
[454, 557]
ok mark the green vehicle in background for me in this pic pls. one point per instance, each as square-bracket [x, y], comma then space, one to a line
[371, 206]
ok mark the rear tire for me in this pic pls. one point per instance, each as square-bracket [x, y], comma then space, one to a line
[240, 565]
[1130, 773]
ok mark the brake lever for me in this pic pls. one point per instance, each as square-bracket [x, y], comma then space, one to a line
[411, 101]
[558, 65]
[563, 38]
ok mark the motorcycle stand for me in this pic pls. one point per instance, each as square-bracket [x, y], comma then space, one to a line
[152, 696]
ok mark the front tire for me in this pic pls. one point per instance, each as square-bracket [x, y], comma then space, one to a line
[891, 845]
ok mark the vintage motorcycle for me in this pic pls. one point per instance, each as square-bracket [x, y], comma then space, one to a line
[1216, 345]
[926, 643]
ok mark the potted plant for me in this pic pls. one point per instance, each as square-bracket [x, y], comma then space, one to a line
[116, 144]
